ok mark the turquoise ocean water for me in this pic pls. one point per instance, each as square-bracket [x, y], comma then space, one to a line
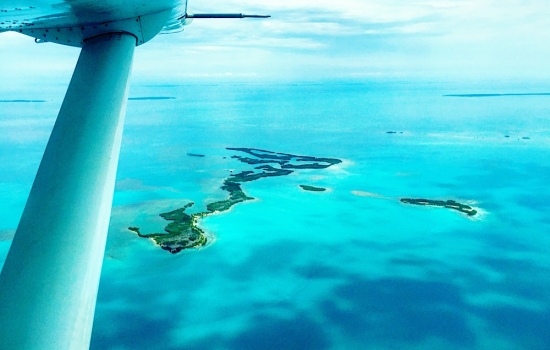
[350, 268]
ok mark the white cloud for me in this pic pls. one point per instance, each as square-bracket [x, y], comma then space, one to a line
[307, 38]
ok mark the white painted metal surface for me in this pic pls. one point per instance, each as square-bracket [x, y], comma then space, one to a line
[49, 14]
[49, 282]
[144, 28]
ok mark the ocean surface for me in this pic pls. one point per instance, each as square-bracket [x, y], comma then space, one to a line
[349, 268]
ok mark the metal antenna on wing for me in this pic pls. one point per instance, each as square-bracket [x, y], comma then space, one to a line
[223, 15]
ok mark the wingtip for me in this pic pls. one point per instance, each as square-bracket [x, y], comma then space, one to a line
[257, 16]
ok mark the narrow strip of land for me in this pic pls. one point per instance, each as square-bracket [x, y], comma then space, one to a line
[449, 204]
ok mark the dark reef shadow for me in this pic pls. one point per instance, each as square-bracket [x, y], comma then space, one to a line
[394, 310]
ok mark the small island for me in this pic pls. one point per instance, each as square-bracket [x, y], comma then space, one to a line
[183, 233]
[312, 188]
[450, 204]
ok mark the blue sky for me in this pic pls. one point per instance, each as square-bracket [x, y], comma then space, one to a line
[318, 39]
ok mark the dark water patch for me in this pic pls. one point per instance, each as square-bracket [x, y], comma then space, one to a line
[499, 95]
[527, 328]
[151, 98]
[319, 271]
[378, 247]
[22, 101]
[521, 278]
[539, 202]
[498, 241]
[404, 310]
[415, 262]
[270, 333]
[131, 330]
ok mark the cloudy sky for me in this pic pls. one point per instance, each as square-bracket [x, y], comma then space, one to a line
[319, 39]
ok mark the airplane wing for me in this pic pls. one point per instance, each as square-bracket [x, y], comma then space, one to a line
[69, 22]
[23, 14]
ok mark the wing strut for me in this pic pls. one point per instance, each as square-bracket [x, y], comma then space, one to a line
[49, 282]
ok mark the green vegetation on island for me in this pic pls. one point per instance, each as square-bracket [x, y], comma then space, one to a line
[450, 204]
[183, 233]
[284, 159]
[236, 195]
[312, 188]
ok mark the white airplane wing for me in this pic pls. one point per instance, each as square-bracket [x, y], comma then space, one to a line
[70, 22]
[23, 14]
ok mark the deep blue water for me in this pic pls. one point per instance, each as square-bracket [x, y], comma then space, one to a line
[351, 268]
